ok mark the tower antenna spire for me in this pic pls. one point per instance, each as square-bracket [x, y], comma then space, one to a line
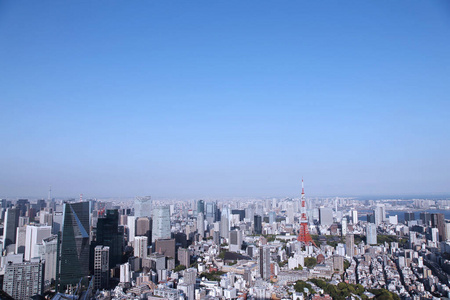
[303, 235]
[303, 188]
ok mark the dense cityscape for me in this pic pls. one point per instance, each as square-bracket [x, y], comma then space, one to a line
[272, 248]
[156, 150]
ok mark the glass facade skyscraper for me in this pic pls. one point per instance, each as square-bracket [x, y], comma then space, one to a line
[161, 223]
[108, 235]
[73, 245]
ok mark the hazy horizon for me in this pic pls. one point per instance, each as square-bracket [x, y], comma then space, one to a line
[187, 99]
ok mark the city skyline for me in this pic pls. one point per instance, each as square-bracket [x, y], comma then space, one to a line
[235, 99]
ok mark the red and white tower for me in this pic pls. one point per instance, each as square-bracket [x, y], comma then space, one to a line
[303, 235]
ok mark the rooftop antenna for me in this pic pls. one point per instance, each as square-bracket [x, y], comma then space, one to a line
[50, 193]
[81, 197]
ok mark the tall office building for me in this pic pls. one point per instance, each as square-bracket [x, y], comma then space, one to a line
[426, 218]
[211, 210]
[380, 214]
[74, 244]
[125, 273]
[264, 262]
[438, 221]
[49, 254]
[371, 235]
[355, 216]
[326, 216]
[161, 223]
[131, 225]
[108, 234]
[250, 212]
[143, 206]
[200, 206]
[409, 216]
[141, 246]
[344, 226]
[24, 280]
[272, 217]
[101, 267]
[21, 236]
[350, 245]
[290, 212]
[225, 223]
[258, 224]
[201, 225]
[184, 257]
[10, 225]
[33, 239]
[235, 240]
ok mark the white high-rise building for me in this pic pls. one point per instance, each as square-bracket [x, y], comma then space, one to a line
[344, 226]
[125, 273]
[379, 214]
[354, 216]
[225, 223]
[371, 235]
[48, 254]
[434, 235]
[201, 224]
[161, 223]
[131, 224]
[34, 237]
[141, 246]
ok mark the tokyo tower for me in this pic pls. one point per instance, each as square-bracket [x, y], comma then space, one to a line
[303, 235]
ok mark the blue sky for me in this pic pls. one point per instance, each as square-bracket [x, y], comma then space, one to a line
[224, 98]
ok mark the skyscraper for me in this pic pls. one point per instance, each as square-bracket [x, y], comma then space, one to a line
[10, 225]
[409, 216]
[34, 237]
[201, 225]
[380, 214]
[211, 210]
[258, 224]
[350, 245]
[272, 217]
[74, 244]
[141, 246]
[426, 218]
[108, 235]
[161, 223]
[438, 221]
[200, 206]
[184, 257]
[354, 216]
[264, 262]
[225, 223]
[101, 267]
[344, 226]
[371, 234]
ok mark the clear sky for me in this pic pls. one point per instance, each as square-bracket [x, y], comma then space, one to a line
[224, 98]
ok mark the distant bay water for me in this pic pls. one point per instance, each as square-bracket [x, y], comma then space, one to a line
[401, 214]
